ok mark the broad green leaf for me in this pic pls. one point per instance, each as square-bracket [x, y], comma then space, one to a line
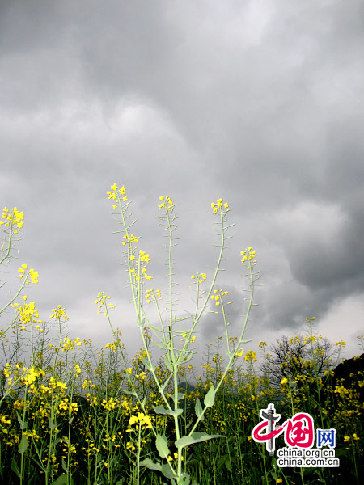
[148, 463]
[168, 363]
[185, 479]
[23, 424]
[164, 411]
[165, 469]
[130, 393]
[23, 445]
[167, 472]
[210, 397]
[14, 467]
[198, 409]
[61, 480]
[162, 446]
[51, 423]
[195, 438]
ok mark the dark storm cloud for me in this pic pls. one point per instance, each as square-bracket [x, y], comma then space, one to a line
[256, 101]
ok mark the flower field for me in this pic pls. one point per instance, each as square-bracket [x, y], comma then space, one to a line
[71, 413]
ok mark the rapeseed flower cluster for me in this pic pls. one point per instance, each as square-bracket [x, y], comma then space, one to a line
[250, 356]
[29, 275]
[59, 313]
[166, 203]
[218, 296]
[130, 239]
[27, 313]
[141, 419]
[103, 304]
[220, 206]
[199, 277]
[248, 254]
[117, 193]
[12, 219]
[152, 295]
[138, 268]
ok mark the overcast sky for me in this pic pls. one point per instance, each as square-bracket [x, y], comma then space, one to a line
[259, 102]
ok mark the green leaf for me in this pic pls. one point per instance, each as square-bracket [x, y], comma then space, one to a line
[14, 467]
[23, 445]
[185, 479]
[224, 461]
[148, 463]
[167, 472]
[168, 363]
[195, 438]
[162, 446]
[164, 411]
[165, 469]
[23, 424]
[210, 397]
[61, 480]
[198, 409]
[130, 393]
[51, 423]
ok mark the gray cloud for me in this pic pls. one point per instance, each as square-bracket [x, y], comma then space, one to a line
[258, 102]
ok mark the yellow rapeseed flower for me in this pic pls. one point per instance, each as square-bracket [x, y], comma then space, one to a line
[166, 203]
[12, 219]
[109, 404]
[59, 313]
[220, 206]
[31, 276]
[341, 343]
[250, 356]
[4, 419]
[199, 277]
[30, 376]
[61, 385]
[73, 407]
[7, 370]
[27, 313]
[248, 254]
[142, 419]
[130, 239]
[34, 276]
[144, 257]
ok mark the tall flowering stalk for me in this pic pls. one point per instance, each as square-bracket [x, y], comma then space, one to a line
[167, 334]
